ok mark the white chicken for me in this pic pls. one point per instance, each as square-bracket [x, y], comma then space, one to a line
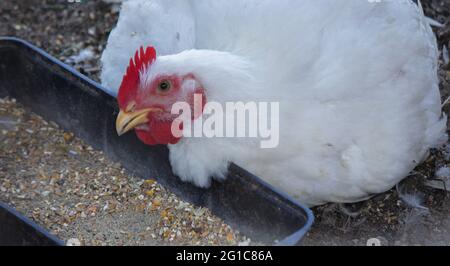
[356, 82]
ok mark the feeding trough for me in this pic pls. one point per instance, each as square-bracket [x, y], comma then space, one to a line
[58, 93]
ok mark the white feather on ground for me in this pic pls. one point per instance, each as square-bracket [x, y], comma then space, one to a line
[442, 180]
[413, 200]
[82, 56]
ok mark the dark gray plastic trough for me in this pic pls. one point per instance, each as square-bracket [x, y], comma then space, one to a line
[58, 93]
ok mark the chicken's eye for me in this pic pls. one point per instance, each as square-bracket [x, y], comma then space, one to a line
[164, 86]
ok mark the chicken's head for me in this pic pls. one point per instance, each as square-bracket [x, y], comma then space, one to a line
[146, 99]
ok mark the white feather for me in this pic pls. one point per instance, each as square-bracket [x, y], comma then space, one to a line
[356, 81]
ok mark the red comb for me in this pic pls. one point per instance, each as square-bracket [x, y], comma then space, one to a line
[130, 80]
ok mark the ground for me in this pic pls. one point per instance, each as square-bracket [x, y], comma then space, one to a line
[412, 214]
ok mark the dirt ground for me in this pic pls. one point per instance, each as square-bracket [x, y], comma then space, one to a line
[411, 214]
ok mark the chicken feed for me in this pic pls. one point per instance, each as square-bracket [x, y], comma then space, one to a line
[80, 196]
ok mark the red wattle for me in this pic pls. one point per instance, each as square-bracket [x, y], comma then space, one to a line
[160, 133]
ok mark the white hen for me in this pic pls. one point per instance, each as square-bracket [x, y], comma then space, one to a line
[356, 81]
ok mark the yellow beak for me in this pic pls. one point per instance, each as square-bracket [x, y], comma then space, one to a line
[126, 121]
